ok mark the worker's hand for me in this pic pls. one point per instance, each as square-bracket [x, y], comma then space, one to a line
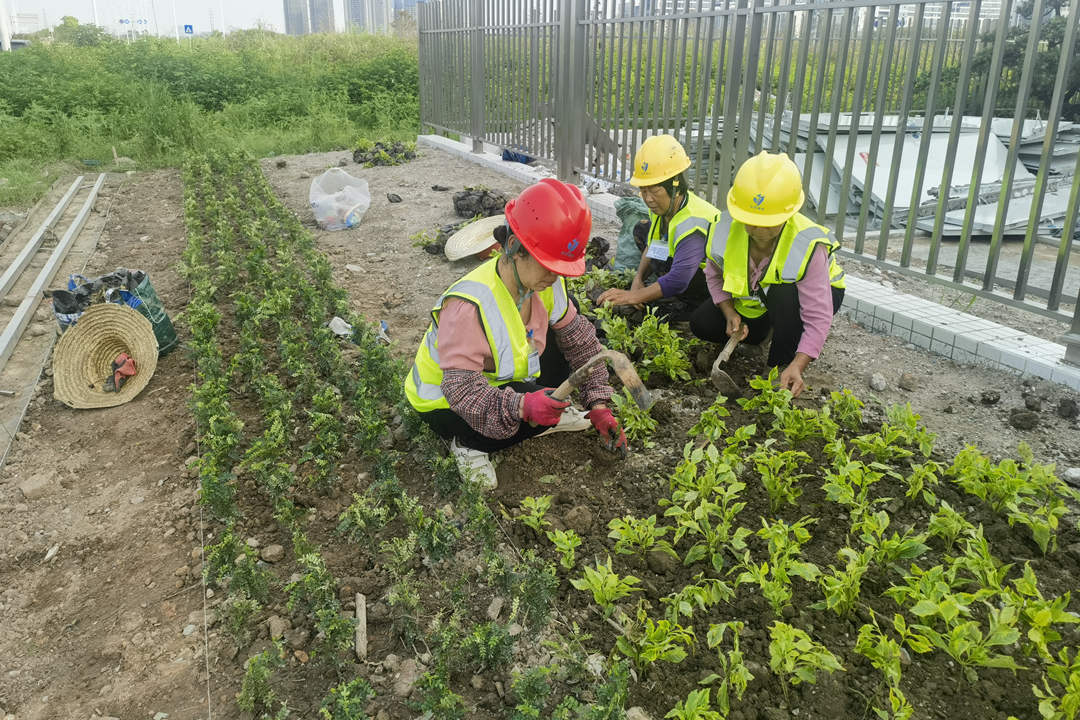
[539, 408]
[605, 423]
[615, 296]
[792, 379]
[637, 283]
[736, 327]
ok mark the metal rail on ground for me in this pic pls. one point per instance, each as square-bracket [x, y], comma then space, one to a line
[19, 264]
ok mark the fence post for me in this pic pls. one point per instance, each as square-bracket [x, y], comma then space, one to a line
[570, 101]
[1072, 338]
[476, 74]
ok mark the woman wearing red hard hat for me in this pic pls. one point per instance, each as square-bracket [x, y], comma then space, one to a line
[507, 332]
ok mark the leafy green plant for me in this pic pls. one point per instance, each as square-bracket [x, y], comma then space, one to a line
[533, 582]
[437, 700]
[736, 676]
[565, 541]
[711, 425]
[1063, 703]
[533, 511]
[237, 612]
[1039, 614]
[948, 524]
[363, 518]
[639, 535]
[770, 397]
[436, 533]
[702, 594]
[888, 550]
[649, 641]
[488, 647]
[778, 473]
[403, 597]
[842, 587]
[606, 585]
[970, 647]
[257, 694]
[636, 422]
[316, 592]
[796, 658]
[920, 481]
[695, 707]
[347, 701]
[774, 577]
[846, 409]
[422, 239]
[661, 349]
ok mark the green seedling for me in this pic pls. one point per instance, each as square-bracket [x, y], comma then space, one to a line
[778, 473]
[842, 587]
[795, 658]
[736, 676]
[606, 585]
[565, 541]
[533, 511]
[695, 707]
[703, 594]
[636, 421]
[639, 535]
[347, 701]
[846, 409]
[650, 641]
[948, 524]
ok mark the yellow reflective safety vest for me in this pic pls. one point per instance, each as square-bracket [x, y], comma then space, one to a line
[729, 248]
[515, 358]
[696, 214]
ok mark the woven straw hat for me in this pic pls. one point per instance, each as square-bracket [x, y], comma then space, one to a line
[474, 238]
[83, 358]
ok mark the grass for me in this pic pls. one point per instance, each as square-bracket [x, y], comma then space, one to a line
[157, 102]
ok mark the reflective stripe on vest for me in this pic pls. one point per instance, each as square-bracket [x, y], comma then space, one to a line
[718, 240]
[425, 390]
[796, 256]
[489, 312]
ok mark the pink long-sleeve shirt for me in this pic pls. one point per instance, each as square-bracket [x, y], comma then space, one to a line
[815, 296]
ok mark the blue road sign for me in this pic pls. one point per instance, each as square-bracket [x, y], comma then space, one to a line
[189, 29]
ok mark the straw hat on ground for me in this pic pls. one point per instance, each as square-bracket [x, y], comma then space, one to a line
[82, 359]
[476, 237]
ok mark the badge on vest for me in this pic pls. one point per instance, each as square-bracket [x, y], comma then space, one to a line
[657, 251]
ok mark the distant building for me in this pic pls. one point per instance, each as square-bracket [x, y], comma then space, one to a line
[372, 16]
[296, 17]
[321, 13]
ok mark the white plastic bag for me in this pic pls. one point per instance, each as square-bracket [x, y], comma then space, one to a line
[338, 199]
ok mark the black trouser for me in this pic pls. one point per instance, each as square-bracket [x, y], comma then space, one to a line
[783, 316]
[554, 368]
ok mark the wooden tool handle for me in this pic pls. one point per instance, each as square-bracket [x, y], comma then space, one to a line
[725, 354]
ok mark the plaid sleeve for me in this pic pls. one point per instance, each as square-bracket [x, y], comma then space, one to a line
[578, 343]
[490, 411]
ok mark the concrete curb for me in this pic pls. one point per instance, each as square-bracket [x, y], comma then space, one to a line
[935, 328]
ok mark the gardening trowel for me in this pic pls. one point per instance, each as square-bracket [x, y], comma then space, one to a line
[720, 379]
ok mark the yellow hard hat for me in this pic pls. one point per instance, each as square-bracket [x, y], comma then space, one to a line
[659, 158]
[767, 190]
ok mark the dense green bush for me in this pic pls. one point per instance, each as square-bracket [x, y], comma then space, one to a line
[155, 100]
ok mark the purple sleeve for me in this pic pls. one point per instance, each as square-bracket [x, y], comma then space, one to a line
[688, 257]
[815, 303]
[714, 278]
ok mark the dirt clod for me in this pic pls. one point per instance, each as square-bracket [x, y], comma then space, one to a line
[1067, 408]
[878, 383]
[908, 382]
[989, 397]
[473, 201]
[393, 197]
[1023, 419]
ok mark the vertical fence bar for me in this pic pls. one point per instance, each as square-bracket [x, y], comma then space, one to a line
[819, 91]
[681, 106]
[746, 115]
[700, 170]
[642, 78]
[989, 103]
[476, 96]
[1023, 92]
[611, 75]
[883, 78]
[1053, 116]
[782, 90]
[1061, 265]
[856, 115]
[719, 95]
[927, 136]
[627, 39]
[959, 102]
[691, 89]
[731, 98]
[800, 79]
[834, 121]
[901, 134]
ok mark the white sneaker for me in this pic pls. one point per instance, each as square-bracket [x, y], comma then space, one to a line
[572, 420]
[474, 465]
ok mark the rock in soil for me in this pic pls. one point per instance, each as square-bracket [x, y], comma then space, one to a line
[278, 626]
[393, 197]
[495, 608]
[439, 188]
[1033, 403]
[637, 713]
[877, 382]
[1072, 476]
[989, 397]
[663, 564]
[580, 520]
[281, 163]
[1023, 419]
[473, 201]
[406, 678]
[1067, 408]
[908, 382]
[272, 553]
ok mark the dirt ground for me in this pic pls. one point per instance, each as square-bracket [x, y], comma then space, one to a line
[113, 626]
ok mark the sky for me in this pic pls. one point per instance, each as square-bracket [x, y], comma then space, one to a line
[238, 13]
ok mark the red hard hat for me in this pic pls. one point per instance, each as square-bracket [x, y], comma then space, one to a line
[553, 222]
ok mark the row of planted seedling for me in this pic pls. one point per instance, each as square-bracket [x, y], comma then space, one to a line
[261, 299]
[981, 612]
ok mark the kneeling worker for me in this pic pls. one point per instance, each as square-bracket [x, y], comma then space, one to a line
[679, 222]
[502, 336]
[771, 267]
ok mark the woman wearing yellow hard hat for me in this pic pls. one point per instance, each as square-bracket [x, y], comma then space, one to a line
[770, 267]
[679, 223]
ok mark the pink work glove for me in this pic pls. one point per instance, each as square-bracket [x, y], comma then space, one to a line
[605, 423]
[542, 409]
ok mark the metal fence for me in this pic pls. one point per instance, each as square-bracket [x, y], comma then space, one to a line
[929, 132]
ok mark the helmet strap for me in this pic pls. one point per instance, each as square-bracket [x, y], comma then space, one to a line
[513, 249]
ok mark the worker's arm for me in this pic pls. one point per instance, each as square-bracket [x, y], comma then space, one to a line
[494, 412]
[815, 310]
[687, 260]
[714, 278]
[576, 338]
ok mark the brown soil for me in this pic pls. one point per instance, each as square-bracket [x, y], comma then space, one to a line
[99, 629]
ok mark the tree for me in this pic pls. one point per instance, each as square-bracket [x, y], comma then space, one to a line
[70, 32]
